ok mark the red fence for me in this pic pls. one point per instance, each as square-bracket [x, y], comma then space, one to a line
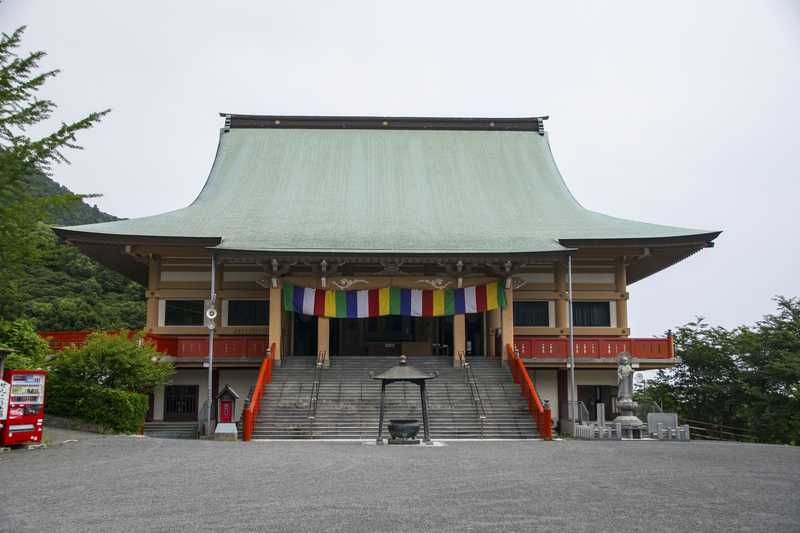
[174, 345]
[593, 348]
[540, 414]
[264, 377]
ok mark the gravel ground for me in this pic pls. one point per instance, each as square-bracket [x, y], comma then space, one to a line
[115, 483]
[54, 436]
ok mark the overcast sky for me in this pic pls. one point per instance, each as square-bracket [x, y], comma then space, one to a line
[680, 113]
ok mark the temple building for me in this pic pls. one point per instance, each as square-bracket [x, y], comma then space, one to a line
[349, 241]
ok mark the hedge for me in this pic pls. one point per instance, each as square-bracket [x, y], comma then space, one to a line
[116, 409]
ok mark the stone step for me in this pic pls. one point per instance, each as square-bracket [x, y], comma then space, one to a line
[171, 430]
[347, 402]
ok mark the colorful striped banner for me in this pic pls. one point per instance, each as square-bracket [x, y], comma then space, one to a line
[393, 301]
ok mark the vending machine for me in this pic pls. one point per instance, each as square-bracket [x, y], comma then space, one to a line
[24, 417]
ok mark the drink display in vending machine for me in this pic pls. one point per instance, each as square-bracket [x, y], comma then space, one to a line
[24, 417]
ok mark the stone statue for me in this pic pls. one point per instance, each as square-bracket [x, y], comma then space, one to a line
[625, 378]
[625, 404]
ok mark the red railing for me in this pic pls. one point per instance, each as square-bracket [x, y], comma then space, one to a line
[174, 345]
[58, 340]
[264, 377]
[224, 346]
[593, 348]
[541, 414]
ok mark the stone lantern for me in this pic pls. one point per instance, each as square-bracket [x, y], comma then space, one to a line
[403, 431]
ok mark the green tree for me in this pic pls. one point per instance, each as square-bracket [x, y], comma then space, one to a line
[747, 378]
[63, 289]
[705, 383]
[114, 361]
[707, 380]
[22, 156]
[770, 356]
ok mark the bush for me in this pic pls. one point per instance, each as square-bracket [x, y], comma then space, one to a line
[113, 361]
[15, 361]
[30, 350]
[103, 381]
[116, 409]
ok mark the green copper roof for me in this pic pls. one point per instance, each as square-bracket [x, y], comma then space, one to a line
[394, 191]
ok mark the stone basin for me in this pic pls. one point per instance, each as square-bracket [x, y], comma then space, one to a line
[403, 428]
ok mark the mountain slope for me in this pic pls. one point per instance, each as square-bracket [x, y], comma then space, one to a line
[61, 289]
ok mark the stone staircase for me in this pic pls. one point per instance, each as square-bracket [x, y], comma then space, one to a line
[171, 430]
[348, 401]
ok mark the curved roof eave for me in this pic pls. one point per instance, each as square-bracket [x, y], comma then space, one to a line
[380, 191]
[69, 234]
[706, 237]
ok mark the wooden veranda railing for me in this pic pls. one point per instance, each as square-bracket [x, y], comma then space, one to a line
[531, 347]
[251, 412]
[540, 413]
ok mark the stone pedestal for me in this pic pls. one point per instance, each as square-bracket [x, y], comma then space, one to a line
[225, 431]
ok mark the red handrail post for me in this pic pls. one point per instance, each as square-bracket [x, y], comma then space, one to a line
[540, 414]
[547, 423]
[264, 377]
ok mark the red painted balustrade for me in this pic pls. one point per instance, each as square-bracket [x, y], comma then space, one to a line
[593, 348]
[191, 346]
[58, 340]
[251, 412]
[540, 413]
[175, 345]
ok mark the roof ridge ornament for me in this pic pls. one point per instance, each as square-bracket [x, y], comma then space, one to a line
[541, 120]
[531, 124]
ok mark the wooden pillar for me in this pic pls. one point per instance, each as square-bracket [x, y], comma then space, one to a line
[621, 282]
[153, 282]
[459, 338]
[562, 304]
[493, 319]
[562, 394]
[507, 324]
[275, 315]
[324, 338]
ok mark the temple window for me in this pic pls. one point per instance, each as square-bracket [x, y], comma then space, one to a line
[245, 312]
[536, 313]
[182, 312]
[593, 314]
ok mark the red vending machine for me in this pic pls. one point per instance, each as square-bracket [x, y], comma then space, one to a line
[25, 415]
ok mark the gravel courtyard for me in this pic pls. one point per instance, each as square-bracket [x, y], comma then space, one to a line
[134, 483]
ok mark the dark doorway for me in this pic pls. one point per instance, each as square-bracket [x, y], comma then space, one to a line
[392, 336]
[475, 334]
[591, 395]
[304, 334]
[151, 399]
[444, 335]
[383, 335]
[563, 395]
[180, 402]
